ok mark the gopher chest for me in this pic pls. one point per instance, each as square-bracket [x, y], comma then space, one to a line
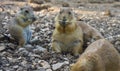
[68, 41]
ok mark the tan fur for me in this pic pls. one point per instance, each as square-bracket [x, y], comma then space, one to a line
[19, 25]
[99, 56]
[90, 33]
[67, 37]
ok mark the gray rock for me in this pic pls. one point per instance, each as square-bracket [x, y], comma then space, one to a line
[24, 63]
[41, 69]
[2, 47]
[59, 65]
[29, 47]
[21, 49]
[23, 52]
[48, 70]
[39, 49]
[35, 40]
[15, 67]
[44, 64]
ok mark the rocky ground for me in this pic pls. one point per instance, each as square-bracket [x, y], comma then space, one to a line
[103, 15]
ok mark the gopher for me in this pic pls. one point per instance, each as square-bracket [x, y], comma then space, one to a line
[90, 33]
[99, 56]
[67, 36]
[19, 26]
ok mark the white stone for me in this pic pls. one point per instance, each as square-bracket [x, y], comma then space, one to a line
[59, 65]
[2, 47]
[44, 64]
[48, 70]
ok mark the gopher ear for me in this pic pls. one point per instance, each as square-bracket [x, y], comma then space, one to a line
[72, 9]
[61, 10]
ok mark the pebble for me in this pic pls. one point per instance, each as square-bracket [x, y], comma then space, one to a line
[2, 47]
[48, 70]
[21, 49]
[15, 67]
[39, 49]
[59, 65]
[29, 47]
[35, 40]
[44, 64]
[23, 63]
[41, 69]
[23, 52]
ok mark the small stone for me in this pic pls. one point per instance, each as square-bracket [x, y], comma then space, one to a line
[65, 4]
[117, 43]
[21, 49]
[23, 63]
[36, 1]
[48, 70]
[44, 64]
[1, 37]
[41, 69]
[29, 47]
[65, 58]
[47, 0]
[66, 62]
[23, 52]
[39, 49]
[35, 40]
[59, 65]
[1, 70]
[7, 64]
[2, 47]
[12, 46]
[15, 67]
[19, 69]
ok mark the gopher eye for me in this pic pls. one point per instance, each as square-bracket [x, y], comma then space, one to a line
[26, 11]
[60, 12]
[69, 13]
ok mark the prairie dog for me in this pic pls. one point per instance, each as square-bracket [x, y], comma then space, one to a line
[99, 56]
[19, 26]
[90, 33]
[67, 36]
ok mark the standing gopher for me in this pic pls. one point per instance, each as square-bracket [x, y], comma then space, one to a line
[99, 56]
[67, 36]
[19, 26]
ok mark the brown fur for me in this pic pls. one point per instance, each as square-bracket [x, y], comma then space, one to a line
[99, 56]
[67, 37]
[90, 33]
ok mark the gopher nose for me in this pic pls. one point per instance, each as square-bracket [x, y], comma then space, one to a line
[64, 20]
[34, 18]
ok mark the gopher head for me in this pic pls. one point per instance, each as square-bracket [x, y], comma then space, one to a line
[65, 17]
[27, 13]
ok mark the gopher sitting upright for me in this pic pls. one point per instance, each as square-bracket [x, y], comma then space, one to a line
[19, 26]
[99, 56]
[67, 36]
